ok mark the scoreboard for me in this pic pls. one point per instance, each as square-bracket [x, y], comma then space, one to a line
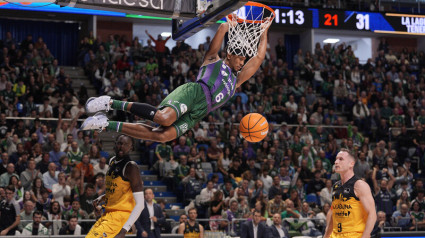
[378, 22]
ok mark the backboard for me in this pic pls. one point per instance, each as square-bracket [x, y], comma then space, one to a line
[189, 16]
[208, 12]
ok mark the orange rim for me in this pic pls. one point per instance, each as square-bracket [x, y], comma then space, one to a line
[254, 4]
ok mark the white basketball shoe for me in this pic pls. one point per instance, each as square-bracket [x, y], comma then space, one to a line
[97, 122]
[95, 104]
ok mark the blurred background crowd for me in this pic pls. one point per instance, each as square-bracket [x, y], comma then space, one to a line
[325, 101]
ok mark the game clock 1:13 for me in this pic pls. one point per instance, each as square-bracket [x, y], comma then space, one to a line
[293, 17]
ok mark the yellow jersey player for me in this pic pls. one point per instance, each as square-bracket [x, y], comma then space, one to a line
[191, 228]
[124, 200]
[352, 213]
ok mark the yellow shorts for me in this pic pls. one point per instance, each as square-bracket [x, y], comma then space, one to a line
[346, 235]
[109, 224]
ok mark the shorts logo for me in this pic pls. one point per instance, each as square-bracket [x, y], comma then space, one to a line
[105, 235]
[183, 108]
[183, 127]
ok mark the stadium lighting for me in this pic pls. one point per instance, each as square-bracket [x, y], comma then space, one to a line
[331, 40]
[166, 34]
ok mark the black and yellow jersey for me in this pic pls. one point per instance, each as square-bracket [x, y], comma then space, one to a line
[118, 194]
[347, 211]
[192, 231]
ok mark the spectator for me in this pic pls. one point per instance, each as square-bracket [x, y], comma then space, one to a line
[61, 189]
[276, 205]
[5, 177]
[86, 168]
[290, 211]
[381, 223]
[101, 167]
[382, 193]
[44, 202]
[151, 218]
[87, 197]
[362, 167]
[50, 177]
[214, 154]
[216, 208]
[64, 165]
[4, 162]
[160, 47]
[182, 220]
[402, 217]
[55, 154]
[43, 165]
[26, 214]
[9, 213]
[207, 193]
[35, 228]
[76, 211]
[326, 193]
[181, 148]
[249, 228]
[417, 217]
[277, 230]
[27, 177]
[316, 185]
[275, 188]
[54, 216]
[72, 228]
[420, 199]
[164, 153]
[74, 154]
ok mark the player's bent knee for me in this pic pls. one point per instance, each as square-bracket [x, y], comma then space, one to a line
[164, 118]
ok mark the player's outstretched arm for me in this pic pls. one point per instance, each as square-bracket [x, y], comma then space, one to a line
[215, 45]
[132, 173]
[362, 191]
[329, 224]
[254, 63]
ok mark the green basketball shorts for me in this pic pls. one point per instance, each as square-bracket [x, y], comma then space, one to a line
[190, 105]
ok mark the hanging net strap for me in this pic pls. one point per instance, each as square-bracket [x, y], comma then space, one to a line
[246, 26]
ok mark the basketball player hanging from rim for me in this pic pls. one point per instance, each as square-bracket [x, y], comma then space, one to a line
[189, 103]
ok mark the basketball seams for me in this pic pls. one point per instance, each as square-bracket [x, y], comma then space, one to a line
[261, 117]
[247, 132]
[260, 130]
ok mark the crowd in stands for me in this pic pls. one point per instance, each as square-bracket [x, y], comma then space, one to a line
[325, 101]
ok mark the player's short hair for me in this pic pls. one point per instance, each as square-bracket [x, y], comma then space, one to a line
[190, 209]
[350, 153]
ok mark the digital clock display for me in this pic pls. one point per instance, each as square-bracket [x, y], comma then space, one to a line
[293, 17]
[393, 23]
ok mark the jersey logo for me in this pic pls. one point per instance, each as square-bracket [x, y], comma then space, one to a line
[183, 127]
[346, 190]
[224, 73]
[183, 108]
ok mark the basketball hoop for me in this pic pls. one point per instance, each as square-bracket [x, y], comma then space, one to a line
[246, 26]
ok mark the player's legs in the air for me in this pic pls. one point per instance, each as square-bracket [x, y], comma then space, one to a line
[182, 109]
[164, 117]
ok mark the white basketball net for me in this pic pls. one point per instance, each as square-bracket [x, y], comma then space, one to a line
[244, 35]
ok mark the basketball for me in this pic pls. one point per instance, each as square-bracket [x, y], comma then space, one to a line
[254, 127]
